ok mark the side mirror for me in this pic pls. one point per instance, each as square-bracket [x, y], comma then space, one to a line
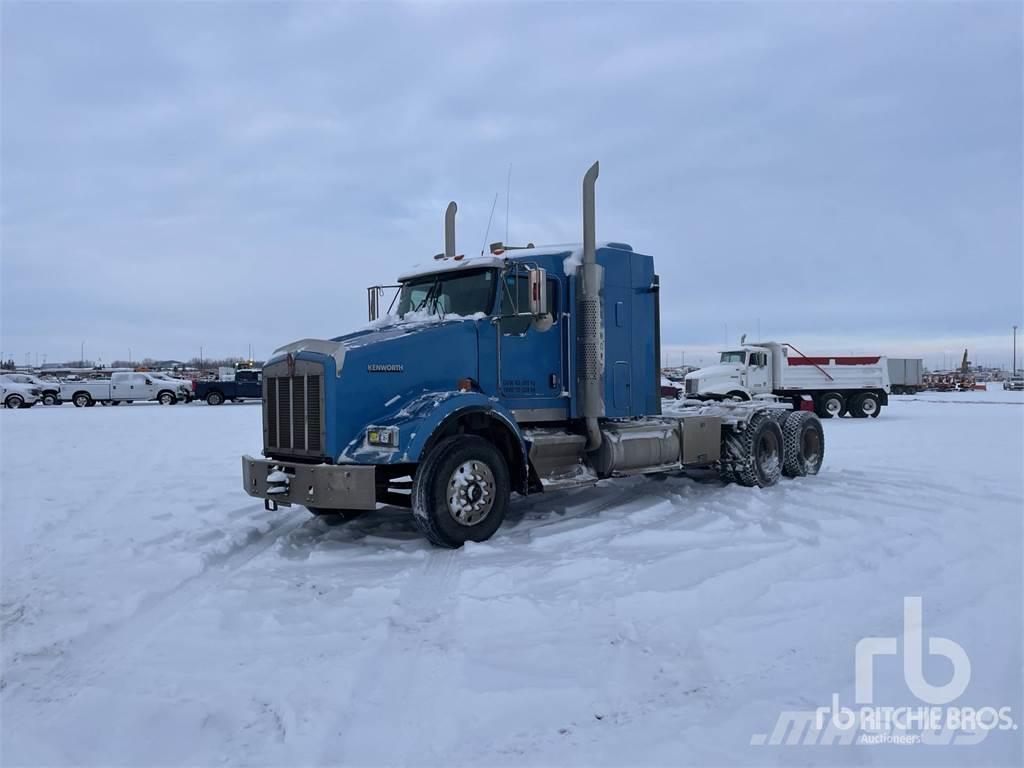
[537, 280]
[149, 382]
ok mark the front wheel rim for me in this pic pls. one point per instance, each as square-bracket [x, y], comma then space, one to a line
[470, 492]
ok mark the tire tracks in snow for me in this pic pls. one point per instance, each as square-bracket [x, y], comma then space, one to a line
[88, 655]
[406, 669]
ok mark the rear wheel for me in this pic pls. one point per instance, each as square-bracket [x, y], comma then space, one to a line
[461, 491]
[755, 454]
[865, 405]
[14, 401]
[214, 398]
[830, 404]
[805, 444]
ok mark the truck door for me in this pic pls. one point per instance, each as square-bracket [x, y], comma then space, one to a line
[248, 384]
[121, 386]
[759, 373]
[531, 376]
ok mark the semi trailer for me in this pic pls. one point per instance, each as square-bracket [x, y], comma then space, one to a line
[525, 370]
[836, 385]
[906, 375]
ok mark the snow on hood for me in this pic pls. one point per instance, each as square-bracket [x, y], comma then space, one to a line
[327, 347]
[420, 317]
[719, 370]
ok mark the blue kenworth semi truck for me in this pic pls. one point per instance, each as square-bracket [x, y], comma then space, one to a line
[526, 370]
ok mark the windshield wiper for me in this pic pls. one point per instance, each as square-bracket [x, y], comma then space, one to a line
[430, 295]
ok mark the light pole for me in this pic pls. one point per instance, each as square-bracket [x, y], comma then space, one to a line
[1014, 373]
[81, 356]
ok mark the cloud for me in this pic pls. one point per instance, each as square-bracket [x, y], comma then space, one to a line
[227, 174]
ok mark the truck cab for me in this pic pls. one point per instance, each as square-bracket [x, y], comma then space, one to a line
[741, 373]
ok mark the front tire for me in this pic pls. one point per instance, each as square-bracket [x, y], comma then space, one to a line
[81, 400]
[214, 398]
[805, 444]
[167, 398]
[50, 399]
[461, 491]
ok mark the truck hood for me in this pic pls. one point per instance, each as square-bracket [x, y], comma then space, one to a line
[371, 373]
[716, 372]
[391, 327]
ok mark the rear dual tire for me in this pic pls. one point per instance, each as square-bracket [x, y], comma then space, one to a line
[772, 445]
[804, 441]
[756, 453]
[830, 404]
[865, 405]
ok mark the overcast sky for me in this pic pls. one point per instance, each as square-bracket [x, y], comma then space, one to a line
[182, 174]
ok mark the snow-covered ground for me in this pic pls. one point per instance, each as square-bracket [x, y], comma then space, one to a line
[153, 614]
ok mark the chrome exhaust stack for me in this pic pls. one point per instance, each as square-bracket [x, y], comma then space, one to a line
[449, 230]
[590, 320]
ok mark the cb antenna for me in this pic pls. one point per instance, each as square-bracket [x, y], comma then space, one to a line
[508, 190]
[489, 218]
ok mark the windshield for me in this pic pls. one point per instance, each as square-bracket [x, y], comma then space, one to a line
[449, 293]
[734, 357]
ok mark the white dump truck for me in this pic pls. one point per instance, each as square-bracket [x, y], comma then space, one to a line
[837, 385]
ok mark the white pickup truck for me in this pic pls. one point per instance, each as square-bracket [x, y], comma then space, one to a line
[837, 385]
[122, 387]
[15, 393]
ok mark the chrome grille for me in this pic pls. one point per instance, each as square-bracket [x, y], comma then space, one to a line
[293, 407]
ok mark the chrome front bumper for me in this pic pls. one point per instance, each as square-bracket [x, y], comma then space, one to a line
[324, 486]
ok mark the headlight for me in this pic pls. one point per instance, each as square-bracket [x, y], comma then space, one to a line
[382, 436]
